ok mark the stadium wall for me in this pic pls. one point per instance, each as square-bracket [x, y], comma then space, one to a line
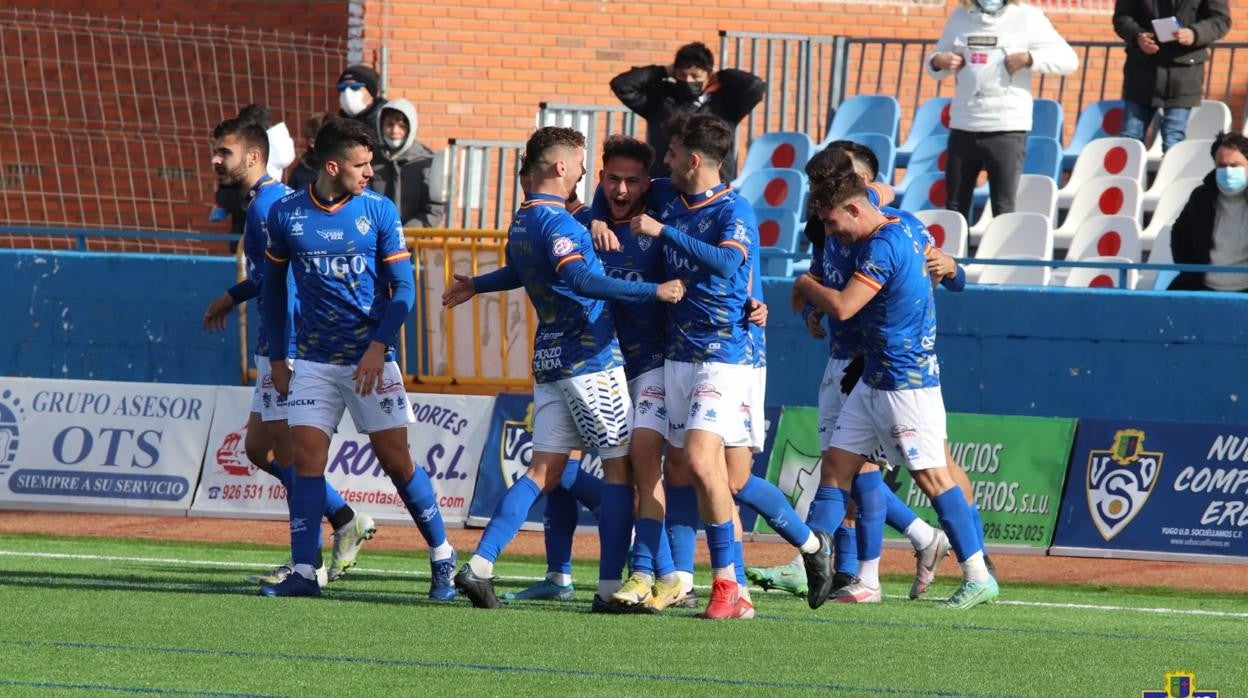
[1051, 352]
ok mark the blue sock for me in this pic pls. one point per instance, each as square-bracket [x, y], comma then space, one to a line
[955, 517]
[558, 527]
[333, 501]
[739, 561]
[979, 526]
[828, 508]
[585, 487]
[899, 516]
[719, 540]
[846, 552]
[664, 565]
[273, 468]
[682, 522]
[646, 545]
[771, 504]
[306, 502]
[615, 527]
[508, 516]
[286, 473]
[422, 504]
[870, 515]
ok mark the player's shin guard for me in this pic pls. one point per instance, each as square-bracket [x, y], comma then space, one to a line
[719, 541]
[845, 555]
[979, 525]
[738, 551]
[767, 499]
[585, 487]
[871, 510]
[559, 526]
[828, 508]
[422, 503]
[275, 468]
[899, 515]
[615, 526]
[682, 522]
[507, 518]
[306, 502]
[955, 517]
[664, 564]
[646, 546]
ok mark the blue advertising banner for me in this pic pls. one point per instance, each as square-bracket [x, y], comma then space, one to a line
[1156, 489]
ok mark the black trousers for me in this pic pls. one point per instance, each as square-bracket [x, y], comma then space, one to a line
[999, 152]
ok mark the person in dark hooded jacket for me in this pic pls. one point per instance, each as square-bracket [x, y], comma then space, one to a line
[401, 168]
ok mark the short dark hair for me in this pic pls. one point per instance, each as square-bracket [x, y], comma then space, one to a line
[1230, 139]
[258, 114]
[860, 153]
[620, 146]
[249, 132]
[314, 123]
[695, 55]
[339, 135]
[827, 163]
[705, 134]
[836, 190]
[547, 138]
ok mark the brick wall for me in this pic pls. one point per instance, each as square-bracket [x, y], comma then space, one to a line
[317, 17]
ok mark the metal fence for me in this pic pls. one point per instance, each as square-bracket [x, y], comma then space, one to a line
[105, 121]
[597, 122]
[481, 183]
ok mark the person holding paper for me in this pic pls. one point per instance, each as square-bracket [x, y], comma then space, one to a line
[1166, 44]
[992, 47]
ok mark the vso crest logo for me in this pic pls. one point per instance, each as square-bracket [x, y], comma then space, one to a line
[516, 447]
[11, 412]
[1120, 480]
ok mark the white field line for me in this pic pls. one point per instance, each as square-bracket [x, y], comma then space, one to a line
[409, 573]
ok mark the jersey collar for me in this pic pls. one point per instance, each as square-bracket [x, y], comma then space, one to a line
[703, 198]
[324, 205]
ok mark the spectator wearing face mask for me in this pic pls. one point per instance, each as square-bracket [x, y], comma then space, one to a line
[991, 48]
[657, 93]
[1213, 227]
[358, 89]
[401, 168]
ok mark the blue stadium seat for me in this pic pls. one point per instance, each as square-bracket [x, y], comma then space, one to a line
[776, 187]
[885, 152]
[1047, 118]
[777, 231]
[929, 156]
[1101, 119]
[779, 149]
[865, 114]
[1044, 157]
[931, 119]
[925, 192]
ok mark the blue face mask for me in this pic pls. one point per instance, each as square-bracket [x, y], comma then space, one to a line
[990, 7]
[1231, 180]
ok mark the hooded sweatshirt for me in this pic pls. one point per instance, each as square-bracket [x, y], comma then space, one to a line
[402, 173]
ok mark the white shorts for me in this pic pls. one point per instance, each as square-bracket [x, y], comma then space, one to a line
[756, 423]
[320, 392]
[708, 396]
[909, 423]
[266, 401]
[591, 412]
[649, 401]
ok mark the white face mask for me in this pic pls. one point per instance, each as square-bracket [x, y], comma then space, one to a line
[392, 143]
[353, 100]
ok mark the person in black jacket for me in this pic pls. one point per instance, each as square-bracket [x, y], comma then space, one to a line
[359, 88]
[1166, 72]
[1213, 226]
[657, 93]
[308, 165]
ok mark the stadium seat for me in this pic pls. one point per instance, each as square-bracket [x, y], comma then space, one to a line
[1169, 206]
[1101, 119]
[865, 114]
[1000, 274]
[948, 228]
[1036, 194]
[925, 192]
[1117, 157]
[1017, 233]
[931, 119]
[777, 230]
[1044, 157]
[930, 155]
[1108, 277]
[884, 149]
[1103, 196]
[779, 149]
[1106, 236]
[1160, 254]
[776, 187]
[1187, 159]
[1047, 118]
[1206, 121]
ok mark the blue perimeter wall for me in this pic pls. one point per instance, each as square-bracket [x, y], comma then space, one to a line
[1044, 352]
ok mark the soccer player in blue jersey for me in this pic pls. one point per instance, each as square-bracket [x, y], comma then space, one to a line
[580, 396]
[898, 402]
[239, 153]
[353, 274]
[708, 233]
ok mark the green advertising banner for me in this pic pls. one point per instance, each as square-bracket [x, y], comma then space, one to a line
[1016, 465]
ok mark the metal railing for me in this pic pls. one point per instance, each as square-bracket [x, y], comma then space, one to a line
[597, 122]
[110, 240]
[481, 182]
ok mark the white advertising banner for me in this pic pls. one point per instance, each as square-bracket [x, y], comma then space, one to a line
[101, 446]
[446, 441]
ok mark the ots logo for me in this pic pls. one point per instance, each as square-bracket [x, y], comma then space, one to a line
[232, 454]
[11, 414]
[1120, 480]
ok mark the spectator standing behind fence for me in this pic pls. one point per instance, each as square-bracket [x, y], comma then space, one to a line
[992, 47]
[358, 90]
[402, 169]
[1213, 227]
[1166, 72]
[657, 93]
[309, 164]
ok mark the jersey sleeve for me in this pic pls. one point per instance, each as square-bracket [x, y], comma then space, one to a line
[391, 245]
[566, 242]
[276, 248]
[877, 262]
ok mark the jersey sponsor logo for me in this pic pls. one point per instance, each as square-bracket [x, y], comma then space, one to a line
[330, 235]
[362, 225]
[302, 402]
[739, 232]
[296, 230]
[678, 261]
[562, 246]
[706, 390]
[901, 431]
[652, 391]
[705, 225]
[298, 214]
[547, 359]
[626, 274]
[335, 265]
[643, 407]
[389, 386]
